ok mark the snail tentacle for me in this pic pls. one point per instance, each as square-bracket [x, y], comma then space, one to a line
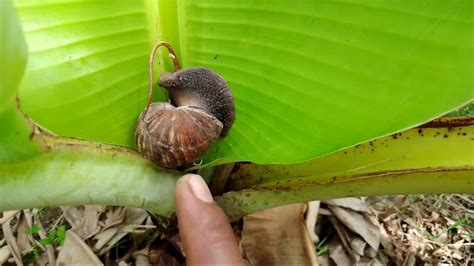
[177, 67]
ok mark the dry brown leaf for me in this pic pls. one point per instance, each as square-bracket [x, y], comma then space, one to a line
[356, 223]
[134, 216]
[74, 215]
[386, 242]
[23, 240]
[278, 236]
[141, 256]
[370, 252]
[396, 203]
[103, 237]
[311, 218]
[7, 216]
[9, 238]
[356, 204]
[344, 239]
[42, 260]
[76, 251]
[4, 254]
[324, 260]
[123, 263]
[91, 226]
[357, 245]
[28, 215]
[324, 211]
[84, 220]
[115, 216]
[410, 260]
[369, 262]
[338, 254]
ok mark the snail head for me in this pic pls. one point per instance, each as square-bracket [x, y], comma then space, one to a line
[170, 80]
[203, 88]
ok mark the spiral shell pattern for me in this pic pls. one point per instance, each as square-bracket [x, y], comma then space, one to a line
[174, 137]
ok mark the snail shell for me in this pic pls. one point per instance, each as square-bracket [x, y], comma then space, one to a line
[172, 137]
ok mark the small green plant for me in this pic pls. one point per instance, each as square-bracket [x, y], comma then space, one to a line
[465, 223]
[32, 256]
[34, 230]
[322, 247]
[55, 236]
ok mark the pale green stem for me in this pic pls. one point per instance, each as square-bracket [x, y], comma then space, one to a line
[411, 149]
[427, 160]
[77, 172]
[426, 181]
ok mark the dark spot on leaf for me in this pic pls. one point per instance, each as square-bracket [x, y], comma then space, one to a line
[215, 57]
[445, 136]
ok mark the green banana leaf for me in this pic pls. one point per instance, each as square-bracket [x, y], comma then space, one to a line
[15, 142]
[12, 54]
[309, 77]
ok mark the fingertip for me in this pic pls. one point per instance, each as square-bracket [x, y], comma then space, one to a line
[198, 187]
[204, 228]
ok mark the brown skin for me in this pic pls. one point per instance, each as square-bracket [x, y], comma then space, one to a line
[203, 227]
[203, 88]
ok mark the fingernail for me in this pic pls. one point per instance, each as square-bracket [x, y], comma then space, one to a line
[199, 187]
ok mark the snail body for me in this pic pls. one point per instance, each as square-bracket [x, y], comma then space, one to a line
[201, 87]
[174, 137]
